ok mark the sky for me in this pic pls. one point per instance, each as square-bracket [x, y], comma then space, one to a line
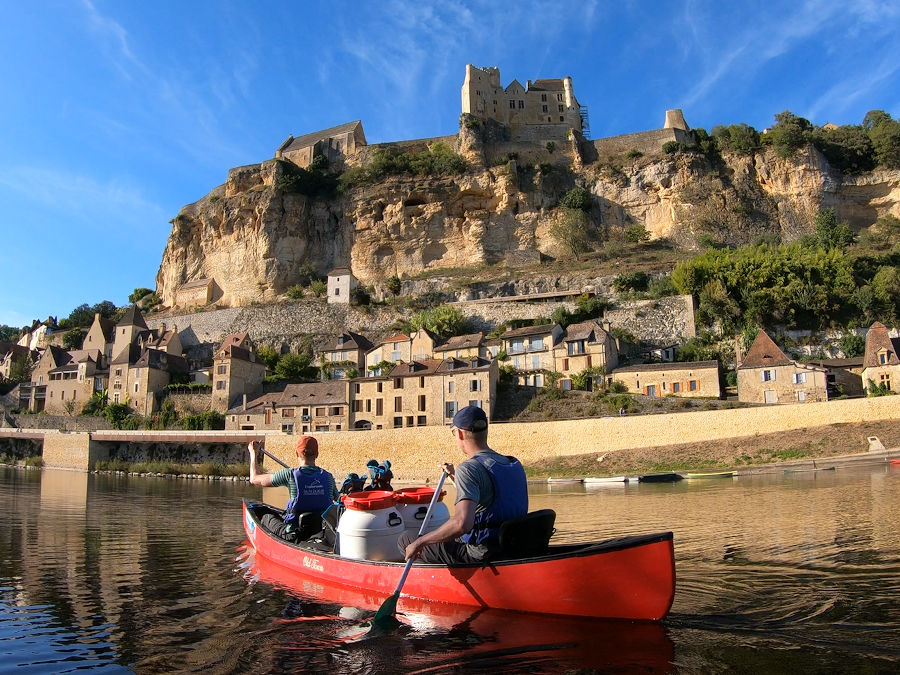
[115, 114]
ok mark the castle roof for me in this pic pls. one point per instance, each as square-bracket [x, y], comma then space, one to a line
[878, 340]
[133, 317]
[305, 141]
[547, 85]
[764, 353]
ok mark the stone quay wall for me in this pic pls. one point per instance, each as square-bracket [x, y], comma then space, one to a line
[417, 453]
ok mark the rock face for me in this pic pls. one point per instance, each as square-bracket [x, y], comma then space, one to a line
[250, 237]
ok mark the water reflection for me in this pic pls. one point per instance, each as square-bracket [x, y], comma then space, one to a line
[774, 572]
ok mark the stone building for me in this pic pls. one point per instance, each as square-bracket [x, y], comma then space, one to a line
[15, 357]
[300, 408]
[335, 144]
[418, 346]
[692, 379]
[881, 366]
[101, 335]
[584, 345]
[542, 102]
[341, 283]
[196, 293]
[843, 376]
[236, 371]
[346, 354]
[531, 351]
[767, 375]
[462, 347]
[62, 379]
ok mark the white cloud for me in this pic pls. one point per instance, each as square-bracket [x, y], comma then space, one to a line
[76, 196]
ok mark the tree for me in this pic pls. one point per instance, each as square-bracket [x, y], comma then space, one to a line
[8, 333]
[852, 345]
[577, 198]
[847, 148]
[789, 134]
[573, 232]
[394, 285]
[631, 281]
[295, 367]
[885, 136]
[74, 338]
[116, 413]
[319, 288]
[269, 356]
[443, 321]
[138, 294]
[830, 233]
[637, 234]
[741, 139]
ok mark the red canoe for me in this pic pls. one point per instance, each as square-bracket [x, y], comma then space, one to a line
[625, 578]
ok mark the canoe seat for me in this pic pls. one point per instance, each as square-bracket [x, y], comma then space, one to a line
[527, 536]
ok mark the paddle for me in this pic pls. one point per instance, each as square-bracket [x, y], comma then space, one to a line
[386, 612]
[270, 455]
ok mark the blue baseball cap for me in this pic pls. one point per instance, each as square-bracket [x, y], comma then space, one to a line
[470, 418]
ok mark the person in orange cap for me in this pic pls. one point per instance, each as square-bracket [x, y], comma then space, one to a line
[312, 491]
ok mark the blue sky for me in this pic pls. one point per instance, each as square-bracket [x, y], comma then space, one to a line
[114, 114]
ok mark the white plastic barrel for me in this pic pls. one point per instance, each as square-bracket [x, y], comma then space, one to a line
[370, 526]
[412, 504]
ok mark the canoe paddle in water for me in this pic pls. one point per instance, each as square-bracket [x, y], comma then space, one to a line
[385, 613]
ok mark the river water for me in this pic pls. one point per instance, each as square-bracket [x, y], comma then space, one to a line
[776, 573]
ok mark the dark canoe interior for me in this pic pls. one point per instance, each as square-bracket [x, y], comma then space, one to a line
[555, 552]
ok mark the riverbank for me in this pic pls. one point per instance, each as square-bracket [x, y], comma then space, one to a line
[800, 446]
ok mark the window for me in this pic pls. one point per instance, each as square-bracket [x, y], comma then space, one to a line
[422, 382]
[517, 363]
[380, 387]
[136, 387]
[320, 412]
[368, 405]
[221, 370]
[322, 427]
[575, 347]
[356, 387]
[537, 343]
[398, 404]
[287, 428]
[398, 383]
[521, 105]
[379, 406]
[410, 421]
[337, 291]
[118, 372]
[561, 108]
[115, 398]
[516, 346]
[801, 396]
[287, 412]
[651, 390]
[565, 364]
[512, 105]
[544, 109]
[475, 404]
[768, 375]
[676, 387]
[422, 403]
[451, 387]
[449, 409]
[562, 119]
[882, 358]
[565, 385]
[357, 406]
[335, 410]
[799, 378]
[559, 97]
[693, 385]
[420, 421]
[536, 362]
[474, 385]
[544, 98]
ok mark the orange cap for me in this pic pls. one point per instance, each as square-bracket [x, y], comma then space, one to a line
[307, 445]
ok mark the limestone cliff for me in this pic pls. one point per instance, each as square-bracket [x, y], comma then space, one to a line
[249, 237]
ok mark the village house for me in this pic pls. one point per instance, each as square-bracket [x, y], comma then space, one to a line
[584, 345]
[531, 351]
[462, 347]
[767, 375]
[346, 355]
[15, 358]
[692, 379]
[400, 347]
[843, 376]
[341, 283]
[236, 371]
[881, 366]
[101, 335]
[63, 381]
[300, 408]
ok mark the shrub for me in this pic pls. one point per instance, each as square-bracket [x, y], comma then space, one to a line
[116, 413]
[551, 146]
[319, 288]
[617, 387]
[671, 147]
[634, 154]
[631, 281]
[394, 285]
[295, 292]
[34, 460]
[637, 234]
[577, 198]
[207, 420]
[138, 294]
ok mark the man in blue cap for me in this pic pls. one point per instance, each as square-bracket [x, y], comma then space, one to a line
[490, 489]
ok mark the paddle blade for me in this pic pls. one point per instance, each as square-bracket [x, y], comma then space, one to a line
[385, 614]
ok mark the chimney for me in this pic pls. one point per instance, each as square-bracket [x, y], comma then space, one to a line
[244, 404]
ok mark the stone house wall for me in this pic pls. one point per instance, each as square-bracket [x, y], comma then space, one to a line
[783, 388]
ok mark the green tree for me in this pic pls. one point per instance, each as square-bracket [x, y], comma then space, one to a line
[884, 133]
[637, 234]
[8, 333]
[631, 281]
[295, 367]
[319, 288]
[138, 294]
[789, 134]
[74, 338]
[443, 321]
[741, 139]
[573, 231]
[830, 233]
[852, 345]
[116, 413]
[577, 198]
[269, 356]
[847, 148]
[394, 285]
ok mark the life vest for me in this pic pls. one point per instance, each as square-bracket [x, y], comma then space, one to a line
[312, 494]
[510, 501]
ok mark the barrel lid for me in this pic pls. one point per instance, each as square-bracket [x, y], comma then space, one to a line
[416, 495]
[369, 500]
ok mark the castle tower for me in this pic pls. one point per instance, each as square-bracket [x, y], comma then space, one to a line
[675, 120]
[567, 86]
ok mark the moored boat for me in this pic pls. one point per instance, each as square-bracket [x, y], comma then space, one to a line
[710, 474]
[626, 578]
[606, 480]
[895, 462]
[668, 477]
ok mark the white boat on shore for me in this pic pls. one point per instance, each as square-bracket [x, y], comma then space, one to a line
[606, 480]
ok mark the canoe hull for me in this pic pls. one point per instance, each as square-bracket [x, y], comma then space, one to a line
[628, 578]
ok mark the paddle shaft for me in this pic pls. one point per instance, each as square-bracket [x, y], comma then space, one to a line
[269, 454]
[434, 498]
